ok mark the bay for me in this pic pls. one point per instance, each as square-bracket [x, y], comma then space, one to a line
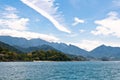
[87, 70]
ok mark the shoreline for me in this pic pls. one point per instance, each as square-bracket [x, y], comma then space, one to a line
[59, 61]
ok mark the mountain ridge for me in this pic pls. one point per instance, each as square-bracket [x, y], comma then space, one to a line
[24, 43]
[9, 47]
[104, 51]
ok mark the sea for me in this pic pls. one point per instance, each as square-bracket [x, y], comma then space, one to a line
[76, 70]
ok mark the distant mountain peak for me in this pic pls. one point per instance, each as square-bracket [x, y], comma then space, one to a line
[103, 45]
[106, 51]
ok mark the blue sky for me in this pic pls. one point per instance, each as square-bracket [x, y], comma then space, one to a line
[84, 23]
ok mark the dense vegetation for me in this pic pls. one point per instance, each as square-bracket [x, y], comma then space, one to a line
[50, 55]
[46, 53]
[6, 47]
[30, 49]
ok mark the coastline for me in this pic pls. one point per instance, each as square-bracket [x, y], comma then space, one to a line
[61, 61]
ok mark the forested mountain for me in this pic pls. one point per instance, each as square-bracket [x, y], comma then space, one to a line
[8, 53]
[30, 49]
[102, 52]
[8, 47]
[44, 53]
[36, 43]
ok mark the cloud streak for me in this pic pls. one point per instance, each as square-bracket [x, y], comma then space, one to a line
[47, 9]
[77, 21]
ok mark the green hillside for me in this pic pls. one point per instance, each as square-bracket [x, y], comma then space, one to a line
[46, 53]
[5, 46]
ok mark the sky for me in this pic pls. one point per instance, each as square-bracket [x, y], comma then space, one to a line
[84, 23]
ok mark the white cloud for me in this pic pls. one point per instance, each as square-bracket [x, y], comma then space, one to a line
[13, 25]
[10, 12]
[28, 35]
[47, 9]
[77, 21]
[87, 44]
[81, 30]
[10, 8]
[92, 44]
[9, 19]
[37, 20]
[17, 24]
[108, 26]
[11, 15]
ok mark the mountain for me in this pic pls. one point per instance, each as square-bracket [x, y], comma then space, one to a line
[108, 52]
[36, 43]
[22, 42]
[44, 52]
[17, 45]
[9, 48]
[69, 49]
[9, 53]
[42, 47]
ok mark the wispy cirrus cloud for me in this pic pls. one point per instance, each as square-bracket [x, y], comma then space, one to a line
[48, 9]
[77, 21]
[13, 25]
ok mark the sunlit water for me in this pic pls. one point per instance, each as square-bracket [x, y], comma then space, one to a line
[60, 70]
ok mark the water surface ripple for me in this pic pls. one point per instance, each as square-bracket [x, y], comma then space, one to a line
[60, 70]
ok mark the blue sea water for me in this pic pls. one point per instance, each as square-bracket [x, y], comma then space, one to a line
[95, 70]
